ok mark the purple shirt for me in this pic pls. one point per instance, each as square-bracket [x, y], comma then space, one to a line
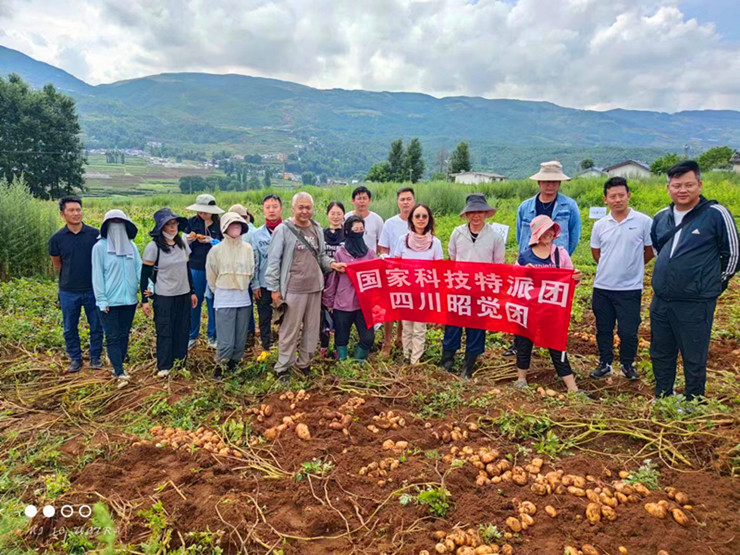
[339, 293]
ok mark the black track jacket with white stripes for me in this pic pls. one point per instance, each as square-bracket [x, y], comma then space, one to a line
[705, 258]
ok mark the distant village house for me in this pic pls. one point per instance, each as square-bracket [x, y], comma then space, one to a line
[735, 161]
[592, 172]
[629, 169]
[473, 178]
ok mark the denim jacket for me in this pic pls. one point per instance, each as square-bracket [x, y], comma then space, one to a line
[565, 213]
[260, 240]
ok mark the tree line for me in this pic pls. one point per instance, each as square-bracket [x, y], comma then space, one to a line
[407, 164]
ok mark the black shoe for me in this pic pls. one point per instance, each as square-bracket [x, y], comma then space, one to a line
[468, 365]
[510, 352]
[629, 372]
[231, 366]
[604, 369]
[74, 367]
[306, 372]
[218, 373]
[448, 360]
[96, 363]
[283, 377]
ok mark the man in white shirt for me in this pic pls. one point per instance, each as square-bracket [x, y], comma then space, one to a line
[621, 246]
[393, 229]
[361, 199]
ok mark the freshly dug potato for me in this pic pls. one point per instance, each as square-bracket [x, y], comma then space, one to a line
[680, 517]
[623, 550]
[389, 444]
[484, 550]
[578, 492]
[506, 549]
[539, 489]
[440, 548]
[608, 513]
[589, 549]
[526, 519]
[513, 523]
[569, 550]
[519, 479]
[592, 496]
[640, 489]
[662, 552]
[302, 431]
[551, 511]
[593, 513]
[528, 507]
[656, 509]
[681, 498]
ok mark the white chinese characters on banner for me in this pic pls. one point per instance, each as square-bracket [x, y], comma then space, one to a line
[554, 292]
[520, 287]
[431, 301]
[517, 314]
[424, 277]
[457, 280]
[459, 304]
[397, 277]
[491, 282]
[402, 300]
[369, 279]
[489, 307]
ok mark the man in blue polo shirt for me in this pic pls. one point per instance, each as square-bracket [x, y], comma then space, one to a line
[70, 249]
[621, 246]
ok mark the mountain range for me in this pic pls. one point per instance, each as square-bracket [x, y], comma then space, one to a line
[201, 111]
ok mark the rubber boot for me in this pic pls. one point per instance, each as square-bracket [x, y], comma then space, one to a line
[342, 352]
[361, 353]
[448, 360]
[231, 366]
[468, 366]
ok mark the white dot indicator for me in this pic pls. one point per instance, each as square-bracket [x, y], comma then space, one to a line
[49, 511]
[31, 511]
[85, 511]
[67, 511]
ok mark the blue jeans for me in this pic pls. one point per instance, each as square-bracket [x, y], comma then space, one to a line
[72, 304]
[474, 346]
[117, 325]
[200, 284]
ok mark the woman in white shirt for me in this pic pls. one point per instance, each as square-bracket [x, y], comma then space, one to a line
[418, 244]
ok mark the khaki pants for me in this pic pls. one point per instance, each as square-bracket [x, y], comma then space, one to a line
[414, 337]
[302, 310]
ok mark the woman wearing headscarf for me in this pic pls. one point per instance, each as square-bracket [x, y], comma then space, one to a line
[167, 280]
[116, 266]
[418, 244]
[229, 270]
[340, 297]
[203, 232]
[333, 239]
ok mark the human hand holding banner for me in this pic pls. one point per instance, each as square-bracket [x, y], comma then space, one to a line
[533, 302]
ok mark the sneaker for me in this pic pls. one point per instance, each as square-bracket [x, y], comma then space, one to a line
[212, 343]
[604, 369]
[262, 357]
[122, 380]
[521, 384]
[96, 363]
[510, 352]
[74, 367]
[163, 373]
[629, 372]
[283, 378]
[191, 343]
[581, 395]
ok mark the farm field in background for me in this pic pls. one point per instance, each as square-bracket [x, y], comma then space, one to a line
[400, 459]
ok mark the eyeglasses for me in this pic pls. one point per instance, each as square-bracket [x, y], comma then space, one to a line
[421, 216]
[685, 186]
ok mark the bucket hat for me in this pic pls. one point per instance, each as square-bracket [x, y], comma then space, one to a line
[550, 171]
[243, 211]
[539, 225]
[231, 218]
[164, 215]
[205, 203]
[476, 202]
[116, 214]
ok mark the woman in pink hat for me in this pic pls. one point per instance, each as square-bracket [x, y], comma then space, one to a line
[543, 253]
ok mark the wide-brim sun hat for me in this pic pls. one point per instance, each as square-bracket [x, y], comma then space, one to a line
[205, 203]
[550, 171]
[115, 214]
[164, 215]
[233, 218]
[476, 202]
[539, 225]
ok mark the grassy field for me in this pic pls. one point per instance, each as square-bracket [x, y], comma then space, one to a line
[190, 466]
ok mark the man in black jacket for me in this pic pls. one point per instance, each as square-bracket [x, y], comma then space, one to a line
[697, 253]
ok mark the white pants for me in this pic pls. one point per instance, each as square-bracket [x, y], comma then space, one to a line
[414, 336]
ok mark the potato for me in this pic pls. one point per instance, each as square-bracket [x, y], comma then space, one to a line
[592, 496]
[681, 498]
[506, 549]
[467, 550]
[622, 498]
[640, 489]
[662, 552]
[401, 444]
[622, 550]
[514, 524]
[423, 552]
[519, 479]
[657, 510]
[680, 517]
[528, 507]
[484, 550]
[440, 548]
[450, 545]
[578, 492]
[593, 513]
[539, 489]
[569, 550]
[224, 452]
[609, 501]
[608, 513]
[551, 511]
[439, 535]
[389, 444]
[526, 519]
[623, 474]
[302, 431]
[589, 549]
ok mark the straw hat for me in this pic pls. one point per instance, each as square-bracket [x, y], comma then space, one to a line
[550, 171]
[205, 203]
[539, 225]
[233, 218]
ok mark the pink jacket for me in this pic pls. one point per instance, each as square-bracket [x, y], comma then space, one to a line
[339, 293]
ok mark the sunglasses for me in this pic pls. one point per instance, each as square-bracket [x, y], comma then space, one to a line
[421, 216]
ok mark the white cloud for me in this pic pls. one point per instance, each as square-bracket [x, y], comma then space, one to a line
[642, 54]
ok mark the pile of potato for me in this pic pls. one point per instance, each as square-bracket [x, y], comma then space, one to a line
[390, 445]
[289, 423]
[262, 412]
[336, 420]
[380, 470]
[352, 404]
[465, 542]
[676, 509]
[177, 438]
[387, 421]
[295, 398]
[449, 433]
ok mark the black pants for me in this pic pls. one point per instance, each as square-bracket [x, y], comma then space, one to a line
[343, 324]
[622, 308]
[172, 324]
[324, 334]
[680, 326]
[524, 356]
[264, 311]
[117, 326]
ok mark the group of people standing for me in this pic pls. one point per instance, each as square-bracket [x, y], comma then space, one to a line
[294, 271]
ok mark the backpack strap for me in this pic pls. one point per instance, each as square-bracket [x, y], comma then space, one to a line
[663, 241]
[557, 256]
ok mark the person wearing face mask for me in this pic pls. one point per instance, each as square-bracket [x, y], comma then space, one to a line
[167, 280]
[116, 266]
[229, 271]
[340, 296]
[474, 241]
[333, 239]
[418, 244]
[247, 238]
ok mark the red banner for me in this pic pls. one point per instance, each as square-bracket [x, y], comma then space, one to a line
[533, 302]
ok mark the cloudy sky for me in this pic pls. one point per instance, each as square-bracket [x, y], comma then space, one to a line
[664, 55]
